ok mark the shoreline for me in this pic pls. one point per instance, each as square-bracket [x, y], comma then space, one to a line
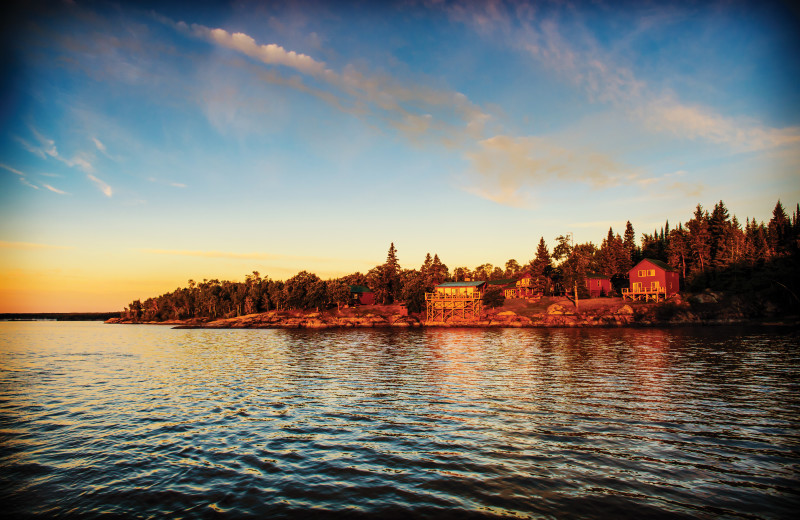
[551, 313]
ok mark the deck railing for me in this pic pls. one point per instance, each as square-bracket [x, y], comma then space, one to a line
[645, 294]
[478, 295]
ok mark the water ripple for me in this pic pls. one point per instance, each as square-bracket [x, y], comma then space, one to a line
[151, 422]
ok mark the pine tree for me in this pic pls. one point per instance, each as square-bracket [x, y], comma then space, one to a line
[630, 243]
[721, 236]
[778, 230]
[391, 260]
[542, 260]
[699, 238]
[439, 271]
[425, 270]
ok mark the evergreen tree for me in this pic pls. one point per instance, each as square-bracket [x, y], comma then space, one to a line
[699, 238]
[542, 261]
[678, 250]
[630, 243]
[719, 228]
[438, 272]
[779, 228]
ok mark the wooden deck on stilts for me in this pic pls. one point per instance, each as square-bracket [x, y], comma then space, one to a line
[645, 295]
[440, 308]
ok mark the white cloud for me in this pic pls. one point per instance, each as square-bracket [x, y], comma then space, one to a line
[12, 170]
[105, 188]
[410, 108]
[24, 181]
[80, 162]
[100, 146]
[22, 177]
[579, 59]
[54, 190]
[503, 166]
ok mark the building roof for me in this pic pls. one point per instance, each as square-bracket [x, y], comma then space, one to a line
[657, 263]
[504, 281]
[360, 289]
[461, 284]
[596, 275]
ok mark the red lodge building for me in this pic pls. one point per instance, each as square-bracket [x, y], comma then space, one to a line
[651, 280]
[361, 295]
[598, 285]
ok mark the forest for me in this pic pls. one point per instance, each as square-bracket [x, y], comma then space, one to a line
[712, 250]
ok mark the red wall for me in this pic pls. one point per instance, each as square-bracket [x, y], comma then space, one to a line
[668, 279]
[598, 286]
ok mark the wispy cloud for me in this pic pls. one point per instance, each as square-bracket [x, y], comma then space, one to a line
[666, 114]
[12, 170]
[167, 183]
[28, 246]
[605, 80]
[100, 146]
[503, 166]
[409, 107]
[45, 147]
[54, 190]
[22, 177]
[578, 58]
[25, 181]
[105, 188]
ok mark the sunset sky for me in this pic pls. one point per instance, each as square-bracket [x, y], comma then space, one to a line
[144, 145]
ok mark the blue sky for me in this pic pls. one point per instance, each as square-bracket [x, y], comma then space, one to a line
[143, 145]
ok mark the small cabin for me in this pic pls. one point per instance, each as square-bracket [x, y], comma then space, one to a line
[460, 289]
[462, 300]
[361, 295]
[504, 285]
[651, 280]
[598, 285]
[526, 286]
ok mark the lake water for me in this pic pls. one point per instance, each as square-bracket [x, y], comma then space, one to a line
[147, 421]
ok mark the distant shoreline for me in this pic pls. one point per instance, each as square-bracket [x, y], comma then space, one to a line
[548, 313]
[58, 316]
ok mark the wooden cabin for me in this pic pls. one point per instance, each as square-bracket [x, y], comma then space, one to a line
[455, 300]
[526, 286]
[361, 295]
[504, 284]
[651, 280]
[598, 285]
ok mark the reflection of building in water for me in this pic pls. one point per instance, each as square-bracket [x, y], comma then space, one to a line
[651, 366]
[455, 300]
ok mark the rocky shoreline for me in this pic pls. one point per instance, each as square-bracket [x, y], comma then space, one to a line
[704, 309]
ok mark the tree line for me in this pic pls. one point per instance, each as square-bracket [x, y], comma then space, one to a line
[709, 250]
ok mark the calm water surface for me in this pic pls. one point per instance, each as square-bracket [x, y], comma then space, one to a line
[148, 422]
